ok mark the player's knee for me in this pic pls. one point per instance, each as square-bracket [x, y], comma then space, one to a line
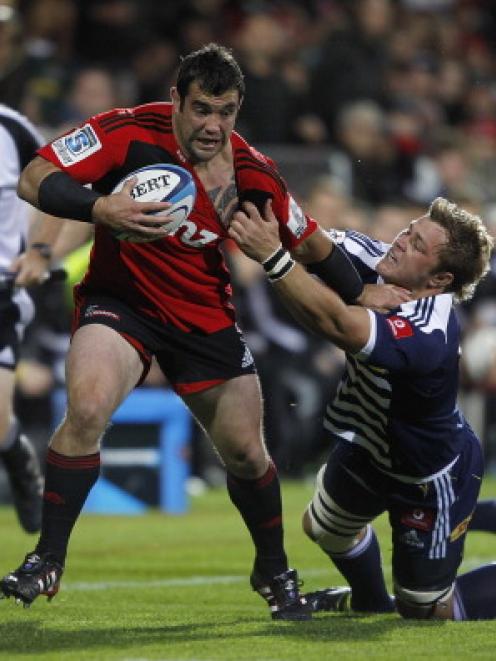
[89, 414]
[424, 605]
[334, 529]
[248, 460]
[331, 541]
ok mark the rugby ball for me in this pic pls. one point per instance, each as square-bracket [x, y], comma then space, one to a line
[161, 182]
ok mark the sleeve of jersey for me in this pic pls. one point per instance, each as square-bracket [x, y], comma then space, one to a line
[363, 251]
[259, 183]
[86, 153]
[398, 344]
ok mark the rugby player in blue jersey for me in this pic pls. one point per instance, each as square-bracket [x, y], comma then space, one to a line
[400, 443]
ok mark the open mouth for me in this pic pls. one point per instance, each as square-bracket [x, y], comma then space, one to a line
[208, 143]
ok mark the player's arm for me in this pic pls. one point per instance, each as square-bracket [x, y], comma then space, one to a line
[56, 192]
[327, 260]
[313, 304]
[32, 266]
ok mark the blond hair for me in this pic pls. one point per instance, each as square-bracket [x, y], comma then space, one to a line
[468, 250]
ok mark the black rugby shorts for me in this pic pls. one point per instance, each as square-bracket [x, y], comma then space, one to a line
[191, 362]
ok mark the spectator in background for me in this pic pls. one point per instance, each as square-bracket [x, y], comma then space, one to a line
[261, 42]
[353, 61]
[14, 70]
[93, 90]
[366, 162]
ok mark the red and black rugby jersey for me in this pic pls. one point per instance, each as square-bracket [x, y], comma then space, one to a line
[180, 279]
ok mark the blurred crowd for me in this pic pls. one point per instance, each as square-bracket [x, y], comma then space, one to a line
[371, 108]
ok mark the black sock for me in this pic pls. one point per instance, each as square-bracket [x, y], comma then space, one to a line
[475, 594]
[68, 481]
[259, 503]
[362, 568]
[484, 516]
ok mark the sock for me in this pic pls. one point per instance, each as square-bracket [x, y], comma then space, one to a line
[259, 503]
[11, 438]
[484, 516]
[68, 481]
[362, 568]
[474, 594]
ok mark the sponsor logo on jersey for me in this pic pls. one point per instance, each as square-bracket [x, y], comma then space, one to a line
[411, 538]
[460, 529]
[400, 327]
[338, 236]
[418, 518]
[76, 146]
[94, 311]
[297, 223]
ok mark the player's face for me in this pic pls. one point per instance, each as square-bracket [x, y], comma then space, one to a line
[413, 257]
[204, 123]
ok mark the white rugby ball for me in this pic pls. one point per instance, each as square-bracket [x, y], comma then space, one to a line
[161, 182]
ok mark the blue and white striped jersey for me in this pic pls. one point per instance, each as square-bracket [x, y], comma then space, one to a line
[397, 397]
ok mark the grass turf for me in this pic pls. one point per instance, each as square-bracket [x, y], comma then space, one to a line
[176, 588]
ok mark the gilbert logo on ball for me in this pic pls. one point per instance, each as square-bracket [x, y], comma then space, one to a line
[162, 182]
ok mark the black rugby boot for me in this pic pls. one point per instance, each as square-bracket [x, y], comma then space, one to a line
[23, 469]
[334, 600]
[282, 595]
[38, 575]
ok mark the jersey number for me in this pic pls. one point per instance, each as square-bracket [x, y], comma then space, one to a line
[188, 229]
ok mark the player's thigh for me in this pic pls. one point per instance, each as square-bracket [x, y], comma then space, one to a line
[429, 524]
[102, 368]
[231, 414]
[347, 497]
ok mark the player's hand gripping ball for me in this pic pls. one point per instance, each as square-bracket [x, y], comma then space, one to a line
[162, 182]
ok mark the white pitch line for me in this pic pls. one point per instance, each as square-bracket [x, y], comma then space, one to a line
[193, 581]
[190, 581]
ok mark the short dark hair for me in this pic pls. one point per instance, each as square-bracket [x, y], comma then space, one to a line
[468, 250]
[215, 70]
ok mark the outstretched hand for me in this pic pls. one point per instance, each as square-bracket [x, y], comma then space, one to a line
[257, 236]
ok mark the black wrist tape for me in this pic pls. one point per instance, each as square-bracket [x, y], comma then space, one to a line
[60, 195]
[339, 273]
[278, 264]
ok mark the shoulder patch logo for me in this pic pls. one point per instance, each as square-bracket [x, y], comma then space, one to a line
[76, 146]
[400, 327]
[297, 223]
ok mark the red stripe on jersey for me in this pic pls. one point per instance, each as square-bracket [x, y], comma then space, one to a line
[199, 386]
[147, 124]
[107, 121]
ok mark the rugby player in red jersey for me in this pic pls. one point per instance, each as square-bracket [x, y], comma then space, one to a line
[171, 298]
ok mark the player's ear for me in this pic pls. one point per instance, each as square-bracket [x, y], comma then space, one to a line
[441, 280]
[176, 99]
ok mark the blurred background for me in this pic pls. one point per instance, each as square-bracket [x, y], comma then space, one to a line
[371, 109]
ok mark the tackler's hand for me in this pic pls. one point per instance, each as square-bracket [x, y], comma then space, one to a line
[383, 298]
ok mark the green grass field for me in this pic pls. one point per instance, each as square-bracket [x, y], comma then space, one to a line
[174, 588]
